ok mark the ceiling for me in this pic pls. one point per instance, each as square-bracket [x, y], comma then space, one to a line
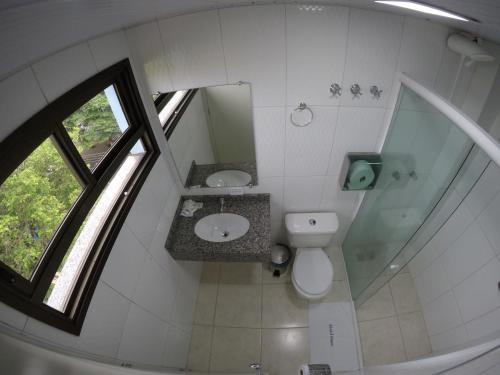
[56, 24]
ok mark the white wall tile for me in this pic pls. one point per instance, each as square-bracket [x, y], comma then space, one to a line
[176, 348]
[269, 125]
[467, 254]
[146, 210]
[146, 45]
[449, 339]
[155, 291]
[316, 49]
[489, 220]
[442, 240]
[422, 47]
[20, 98]
[143, 338]
[104, 322]
[193, 48]
[254, 46]
[358, 130]
[12, 317]
[122, 268]
[484, 325]
[109, 49]
[442, 314]
[372, 55]
[432, 282]
[334, 199]
[101, 331]
[478, 294]
[447, 72]
[62, 71]
[308, 148]
[302, 193]
[484, 190]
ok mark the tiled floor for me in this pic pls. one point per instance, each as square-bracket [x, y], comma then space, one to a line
[244, 315]
[391, 324]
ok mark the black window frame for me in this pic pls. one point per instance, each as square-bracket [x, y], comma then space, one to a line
[171, 123]
[27, 296]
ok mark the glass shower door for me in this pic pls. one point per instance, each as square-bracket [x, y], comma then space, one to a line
[422, 154]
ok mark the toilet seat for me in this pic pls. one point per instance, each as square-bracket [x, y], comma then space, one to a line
[312, 273]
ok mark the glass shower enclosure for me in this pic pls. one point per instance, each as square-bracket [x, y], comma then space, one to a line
[428, 165]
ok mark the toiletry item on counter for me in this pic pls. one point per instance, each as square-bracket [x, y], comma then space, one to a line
[315, 369]
[360, 175]
[190, 207]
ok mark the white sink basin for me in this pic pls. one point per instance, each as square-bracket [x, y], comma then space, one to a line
[228, 178]
[221, 227]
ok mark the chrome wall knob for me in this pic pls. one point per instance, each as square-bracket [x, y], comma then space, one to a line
[376, 92]
[335, 90]
[356, 91]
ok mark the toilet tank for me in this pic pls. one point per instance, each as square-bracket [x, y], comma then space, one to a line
[314, 229]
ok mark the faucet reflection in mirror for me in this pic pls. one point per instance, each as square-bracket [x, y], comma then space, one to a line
[210, 134]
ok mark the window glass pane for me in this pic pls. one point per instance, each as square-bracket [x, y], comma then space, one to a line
[33, 202]
[96, 126]
[169, 108]
[67, 275]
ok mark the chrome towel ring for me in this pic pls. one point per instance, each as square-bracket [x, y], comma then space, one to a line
[302, 115]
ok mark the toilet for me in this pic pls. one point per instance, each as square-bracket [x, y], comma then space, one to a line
[312, 272]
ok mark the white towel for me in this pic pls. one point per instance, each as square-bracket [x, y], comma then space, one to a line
[190, 207]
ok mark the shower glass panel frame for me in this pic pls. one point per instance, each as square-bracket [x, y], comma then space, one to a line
[430, 163]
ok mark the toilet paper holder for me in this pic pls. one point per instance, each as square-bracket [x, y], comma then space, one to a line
[373, 159]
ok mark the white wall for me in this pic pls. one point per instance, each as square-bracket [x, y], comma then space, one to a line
[142, 309]
[191, 138]
[291, 55]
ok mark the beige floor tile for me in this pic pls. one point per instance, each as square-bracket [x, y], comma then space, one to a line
[205, 304]
[239, 306]
[378, 306]
[381, 341]
[240, 273]
[414, 334]
[284, 350]
[234, 349]
[282, 308]
[404, 293]
[268, 278]
[339, 271]
[338, 292]
[210, 272]
[199, 349]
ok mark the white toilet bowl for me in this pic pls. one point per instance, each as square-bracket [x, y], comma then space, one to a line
[312, 273]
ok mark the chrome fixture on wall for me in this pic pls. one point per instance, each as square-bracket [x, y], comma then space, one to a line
[376, 92]
[335, 90]
[302, 115]
[356, 91]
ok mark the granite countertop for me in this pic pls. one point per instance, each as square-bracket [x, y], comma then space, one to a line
[254, 246]
[198, 173]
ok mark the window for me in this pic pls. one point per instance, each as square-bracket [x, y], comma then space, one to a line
[69, 177]
[171, 106]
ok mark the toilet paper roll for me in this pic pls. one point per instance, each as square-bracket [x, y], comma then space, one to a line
[319, 369]
[361, 175]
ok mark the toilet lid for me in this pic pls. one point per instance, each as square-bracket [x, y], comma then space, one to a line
[312, 271]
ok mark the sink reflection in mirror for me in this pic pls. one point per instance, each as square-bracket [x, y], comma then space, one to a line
[229, 177]
[210, 134]
[221, 227]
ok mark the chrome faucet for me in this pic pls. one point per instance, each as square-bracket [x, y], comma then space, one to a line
[221, 205]
[257, 367]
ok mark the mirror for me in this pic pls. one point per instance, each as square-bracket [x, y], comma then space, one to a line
[210, 134]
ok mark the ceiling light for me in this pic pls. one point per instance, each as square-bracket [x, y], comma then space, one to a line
[424, 8]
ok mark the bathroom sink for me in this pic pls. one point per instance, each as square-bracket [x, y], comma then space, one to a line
[228, 178]
[221, 227]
